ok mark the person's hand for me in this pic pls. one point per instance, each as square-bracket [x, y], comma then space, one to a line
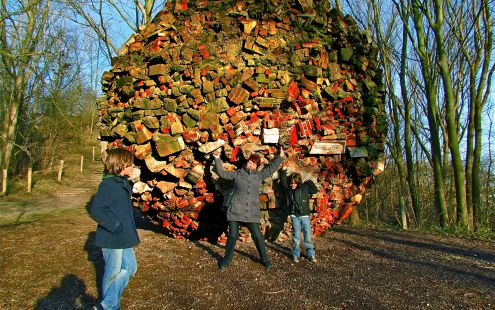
[282, 154]
[285, 165]
[216, 153]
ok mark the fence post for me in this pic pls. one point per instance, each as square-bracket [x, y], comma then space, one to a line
[4, 181]
[29, 179]
[60, 169]
[82, 163]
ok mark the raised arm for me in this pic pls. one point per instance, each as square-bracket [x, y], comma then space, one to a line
[224, 174]
[283, 178]
[269, 169]
[313, 189]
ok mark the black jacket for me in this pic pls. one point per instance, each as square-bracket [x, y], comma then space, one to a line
[298, 199]
[111, 208]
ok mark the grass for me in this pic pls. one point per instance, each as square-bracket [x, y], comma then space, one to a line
[48, 197]
[20, 218]
[483, 233]
[44, 182]
[455, 231]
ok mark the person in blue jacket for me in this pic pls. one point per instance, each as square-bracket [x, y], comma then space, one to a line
[297, 195]
[116, 232]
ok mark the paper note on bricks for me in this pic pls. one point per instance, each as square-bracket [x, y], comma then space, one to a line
[270, 135]
[327, 148]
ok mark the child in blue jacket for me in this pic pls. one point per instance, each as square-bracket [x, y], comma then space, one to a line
[116, 233]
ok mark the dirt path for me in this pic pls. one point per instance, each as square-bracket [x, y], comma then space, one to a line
[66, 198]
[53, 264]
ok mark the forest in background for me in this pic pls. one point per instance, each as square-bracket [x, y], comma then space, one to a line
[437, 59]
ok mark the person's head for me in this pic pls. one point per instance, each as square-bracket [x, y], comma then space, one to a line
[253, 162]
[294, 180]
[119, 161]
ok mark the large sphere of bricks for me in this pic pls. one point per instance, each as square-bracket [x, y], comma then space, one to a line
[245, 76]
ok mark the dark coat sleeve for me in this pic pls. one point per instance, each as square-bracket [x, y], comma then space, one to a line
[269, 169]
[312, 189]
[100, 209]
[224, 174]
[283, 179]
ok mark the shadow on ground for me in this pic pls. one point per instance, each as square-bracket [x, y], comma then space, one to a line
[71, 294]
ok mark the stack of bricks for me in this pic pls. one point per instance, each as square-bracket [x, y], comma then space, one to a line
[245, 76]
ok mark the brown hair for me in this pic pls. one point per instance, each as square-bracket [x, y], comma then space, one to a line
[295, 178]
[117, 160]
[255, 158]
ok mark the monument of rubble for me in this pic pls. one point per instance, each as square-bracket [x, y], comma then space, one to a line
[247, 76]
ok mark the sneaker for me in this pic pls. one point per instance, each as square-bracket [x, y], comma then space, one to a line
[295, 259]
[312, 259]
[97, 306]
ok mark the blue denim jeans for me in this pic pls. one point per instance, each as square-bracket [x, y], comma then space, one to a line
[303, 222]
[120, 265]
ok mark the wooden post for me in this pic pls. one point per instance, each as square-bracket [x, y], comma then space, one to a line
[82, 163]
[355, 216]
[4, 181]
[60, 169]
[93, 154]
[29, 179]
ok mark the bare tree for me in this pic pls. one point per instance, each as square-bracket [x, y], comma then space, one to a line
[113, 20]
[22, 31]
[384, 32]
[472, 27]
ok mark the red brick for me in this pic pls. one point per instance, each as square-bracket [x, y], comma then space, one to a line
[310, 85]
[237, 117]
[231, 111]
[252, 85]
[293, 91]
[272, 28]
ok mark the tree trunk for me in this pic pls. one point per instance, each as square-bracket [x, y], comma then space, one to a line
[483, 90]
[443, 62]
[9, 128]
[410, 176]
[403, 213]
[396, 148]
[470, 155]
[432, 117]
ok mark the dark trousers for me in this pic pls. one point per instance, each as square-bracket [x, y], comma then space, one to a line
[254, 229]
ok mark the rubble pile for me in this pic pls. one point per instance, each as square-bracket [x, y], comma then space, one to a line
[247, 76]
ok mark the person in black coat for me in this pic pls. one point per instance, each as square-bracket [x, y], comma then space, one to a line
[297, 194]
[244, 206]
[116, 232]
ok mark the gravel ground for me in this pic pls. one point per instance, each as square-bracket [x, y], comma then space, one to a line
[53, 264]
